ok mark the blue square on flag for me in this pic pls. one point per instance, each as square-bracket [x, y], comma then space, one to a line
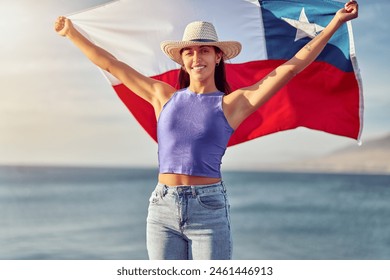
[290, 24]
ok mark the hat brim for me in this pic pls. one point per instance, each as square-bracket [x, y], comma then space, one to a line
[172, 49]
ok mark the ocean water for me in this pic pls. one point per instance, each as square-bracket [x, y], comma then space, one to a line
[100, 213]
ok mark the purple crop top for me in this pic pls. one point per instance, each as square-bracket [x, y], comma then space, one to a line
[192, 134]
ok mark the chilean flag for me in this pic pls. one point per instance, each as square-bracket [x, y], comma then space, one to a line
[326, 96]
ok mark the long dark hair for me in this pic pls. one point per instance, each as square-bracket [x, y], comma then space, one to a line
[219, 76]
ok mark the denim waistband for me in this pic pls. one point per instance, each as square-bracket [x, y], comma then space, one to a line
[194, 190]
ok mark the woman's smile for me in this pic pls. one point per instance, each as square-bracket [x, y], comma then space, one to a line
[199, 67]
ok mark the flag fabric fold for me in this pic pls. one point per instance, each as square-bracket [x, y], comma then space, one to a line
[326, 96]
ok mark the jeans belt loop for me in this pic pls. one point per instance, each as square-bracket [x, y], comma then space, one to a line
[164, 191]
[193, 191]
[223, 186]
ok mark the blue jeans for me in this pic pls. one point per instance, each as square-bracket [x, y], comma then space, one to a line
[189, 222]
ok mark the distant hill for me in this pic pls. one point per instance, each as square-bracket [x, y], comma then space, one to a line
[371, 157]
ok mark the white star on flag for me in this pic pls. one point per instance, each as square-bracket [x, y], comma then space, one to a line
[304, 27]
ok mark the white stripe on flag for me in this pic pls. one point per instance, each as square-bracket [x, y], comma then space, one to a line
[359, 79]
[132, 30]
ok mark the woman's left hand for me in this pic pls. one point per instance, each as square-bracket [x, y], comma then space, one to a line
[349, 12]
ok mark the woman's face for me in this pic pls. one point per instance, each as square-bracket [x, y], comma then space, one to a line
[199, 62]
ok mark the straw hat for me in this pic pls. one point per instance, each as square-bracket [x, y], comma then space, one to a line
[199, 33]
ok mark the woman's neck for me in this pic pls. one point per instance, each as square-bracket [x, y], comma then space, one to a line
[202, 88]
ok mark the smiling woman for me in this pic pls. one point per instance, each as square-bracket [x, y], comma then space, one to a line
[219, 73]
[199, 63]
[189, 210]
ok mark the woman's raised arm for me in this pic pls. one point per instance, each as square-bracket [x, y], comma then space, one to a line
[243, 102]
[153, 91]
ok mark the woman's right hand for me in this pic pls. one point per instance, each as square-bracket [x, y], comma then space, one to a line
[349, 12]
[62, 25]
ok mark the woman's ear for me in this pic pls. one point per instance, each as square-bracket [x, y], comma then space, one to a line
[219, 57]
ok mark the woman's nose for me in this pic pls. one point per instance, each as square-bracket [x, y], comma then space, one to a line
[196, 56]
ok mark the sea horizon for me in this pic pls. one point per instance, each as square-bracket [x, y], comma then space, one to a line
[84, 212]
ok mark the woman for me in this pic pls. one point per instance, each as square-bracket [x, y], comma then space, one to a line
[189, 212]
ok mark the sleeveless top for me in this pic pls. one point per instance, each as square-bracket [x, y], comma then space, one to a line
[192, 134]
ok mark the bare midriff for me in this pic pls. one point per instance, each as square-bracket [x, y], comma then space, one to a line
[172, 180]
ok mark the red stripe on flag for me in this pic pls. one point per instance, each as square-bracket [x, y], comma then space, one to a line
[322, 97]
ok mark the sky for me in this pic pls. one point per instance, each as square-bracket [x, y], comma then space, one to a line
[56, 108]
